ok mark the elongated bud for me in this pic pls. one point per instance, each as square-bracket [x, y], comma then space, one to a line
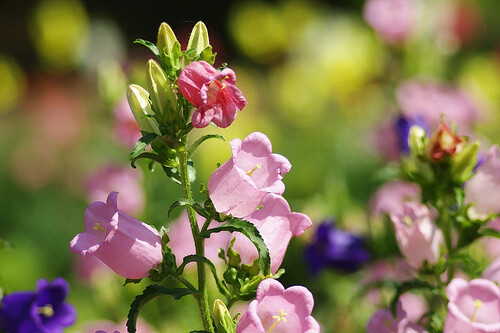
[222, 318]
[161, 92]
[416, 140]
[444, 143]
[166, 39]
[199, 38]
[138, 99]
[464, 162]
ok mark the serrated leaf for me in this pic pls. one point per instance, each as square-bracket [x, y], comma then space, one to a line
[253, 234]
[202, 139]
[407, 286]
[149, 45]
[179, 203]
[151, 292]
[197, 258]
[141, 144]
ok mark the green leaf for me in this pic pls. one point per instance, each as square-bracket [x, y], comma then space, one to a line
[488, 232]
[149, 45]
[253, 234]
[173, 173]
[151, 292]
[203, 139]
[151, 156]
[407, 286]
[179, 203]
[141, 144]
[135, 281]
[197, 258]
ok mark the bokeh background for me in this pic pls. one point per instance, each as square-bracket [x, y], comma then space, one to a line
[318, 80]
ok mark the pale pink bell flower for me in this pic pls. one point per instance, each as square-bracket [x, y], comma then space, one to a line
[126, 128]
[390, 197]
[212, 93]
[128, 246]
[239, 185]
[492, 272]
[383, 321]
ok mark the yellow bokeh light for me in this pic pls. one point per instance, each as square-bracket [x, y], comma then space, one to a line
[13, 84]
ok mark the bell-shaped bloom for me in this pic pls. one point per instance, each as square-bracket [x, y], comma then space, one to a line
[182, 244]
[473, 306]
[238, 186]
[43, 310]
[212, 93]
[492, 244]
[391, 196]
[383, 321]
[418, 237]
[126, 181]
[444, 143]
[393, 20]
[128, 246]
[106, 326]
[431, 100]
[126, 128]
[276, 224]
[492, 272]
[335, 248]
[276, 309]
[483, 189]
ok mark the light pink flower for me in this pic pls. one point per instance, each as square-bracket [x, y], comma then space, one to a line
[492, 272]
[128, 246]
[212, 92]
[182, 244]
[392, 19]
[278, 310]
[473, 307]
[383, 321]
[491, 244]
[239, 185]
[107, 326]
[91, 269]
[391, 196]
[385, 141]
[417, 235]
[483, 190]
[276, 224]
[414, 305]
[126, 128]
[430, 100]
[126, 181]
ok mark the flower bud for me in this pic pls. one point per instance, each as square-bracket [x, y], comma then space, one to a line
[166, 39]
[162, 94]
[222, 318]
[138, 99]
[464, 162]
[416, 140]
[444, 143]
[199, 38]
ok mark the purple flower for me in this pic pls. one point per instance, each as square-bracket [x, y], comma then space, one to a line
[335, 248]
[383, 321]
[403, 125]
[43, 310]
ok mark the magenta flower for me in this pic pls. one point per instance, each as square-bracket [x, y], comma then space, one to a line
[239, 185]
[417, 235]
[392, 19]
[391, 196]
[492, 272]
[212, 93]
[278, 310]
[276, 224]
[473, 306]
[126, 181]
[128, 246]
[483, 190]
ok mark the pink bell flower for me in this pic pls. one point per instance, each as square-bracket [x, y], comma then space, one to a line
[492, 244]
[239, 185]
[128, 246]
[383, 321]
[473, 306]
[417, 235]
[391, 196]
[212, 93]
[483, 189]
[492, 272]
[276, 224]
[276, 309]
[126, 128]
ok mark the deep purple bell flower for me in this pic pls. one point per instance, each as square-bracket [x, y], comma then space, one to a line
[335, 248]
[40, 311]
[403, 125]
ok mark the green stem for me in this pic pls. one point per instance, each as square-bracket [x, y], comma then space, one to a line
[199, 242]
[446, 229]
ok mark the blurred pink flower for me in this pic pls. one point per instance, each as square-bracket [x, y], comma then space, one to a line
[126, 128]
[107, 326]
[391, 196]
[91, 268]
[279, 310]
[239, 185]
[430, 100]
[393, 20]
[473, 306]
[483, 189]
[491, 244]
[128, 246]
[417, 235]
[385, 141]
[182, 244]
[492, 272]
[125, 180]
[276, 224]
[414, 305]
[383, 321]
[212, 92]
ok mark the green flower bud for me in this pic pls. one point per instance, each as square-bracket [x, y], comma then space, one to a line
[166, 39]
[222, 318]
[463, 163]
[138, 99]
[199, 38]
[162, 94]
[417, 140]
